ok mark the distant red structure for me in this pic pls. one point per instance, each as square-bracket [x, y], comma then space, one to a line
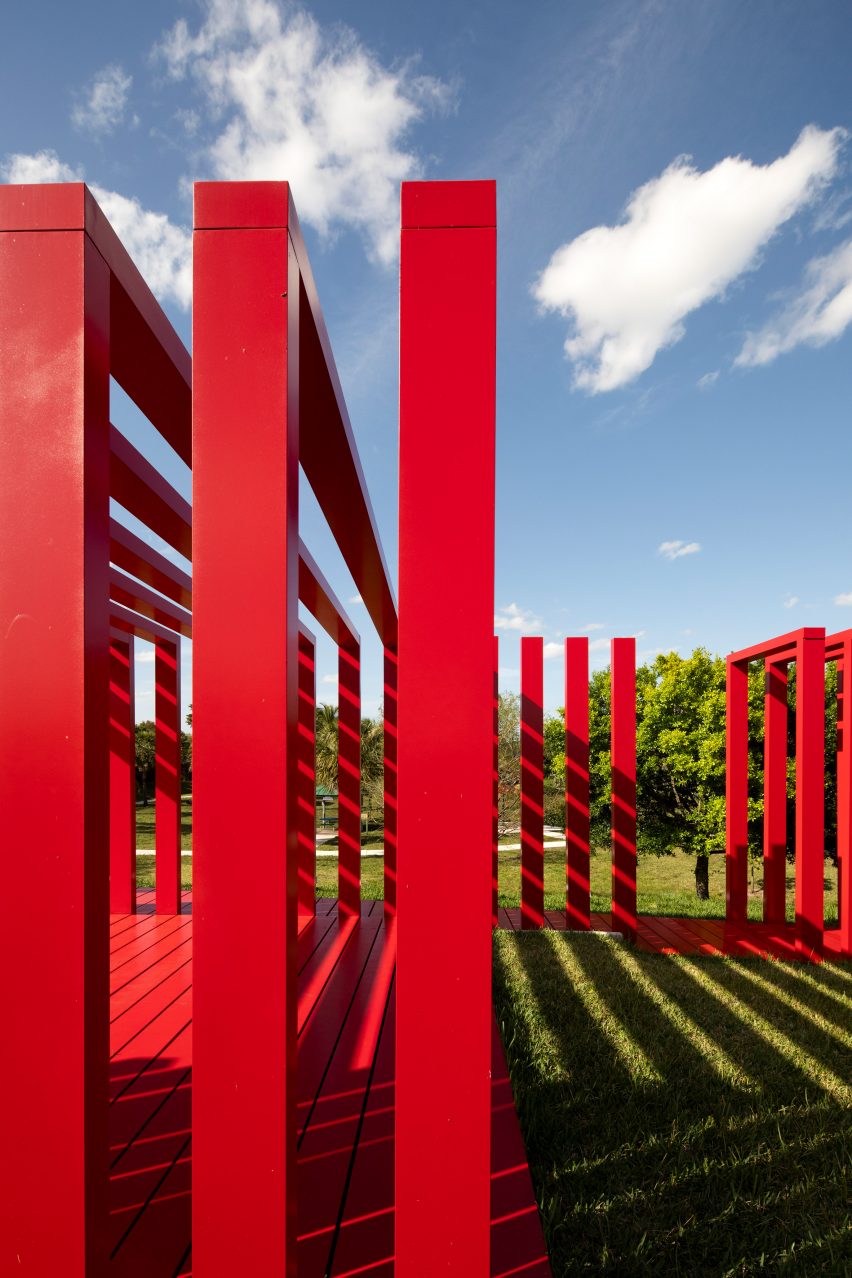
[245, 1079]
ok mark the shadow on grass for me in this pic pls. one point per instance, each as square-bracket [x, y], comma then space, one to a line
[679, 1117]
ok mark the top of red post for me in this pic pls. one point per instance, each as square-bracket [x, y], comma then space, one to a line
[448, 204]
[220, 206]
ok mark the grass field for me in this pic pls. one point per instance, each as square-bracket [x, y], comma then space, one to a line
[682, 1116]
[665, 885]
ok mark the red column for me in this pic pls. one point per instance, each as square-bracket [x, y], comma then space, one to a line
[623, 747]
[167, 775]
[122, 777]
[844, 799]
[446, 553]
[775, 794]
[54, 736]
[245, 721]
[390, 786]
[810, 794]
[532, 782]
[495, 793]
[307, 775]
[736, 793]
[349, 781]
[577, 840]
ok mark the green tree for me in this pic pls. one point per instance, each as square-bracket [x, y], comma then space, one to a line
[508, 762]
[145, 756]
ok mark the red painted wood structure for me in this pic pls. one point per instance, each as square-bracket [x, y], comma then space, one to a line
[229, 1082]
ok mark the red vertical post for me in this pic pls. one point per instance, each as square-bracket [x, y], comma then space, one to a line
[54, 734]
[623, 761]
[736, 792]
[446, 552]
[810, 794]
[495, 792]
[122, 777]
[577, 835]
[775, 794]
[390, 787]
[844, 799]
[245, 721]
[307, 775]
[167, 775]
[349, 780]
[532, 781]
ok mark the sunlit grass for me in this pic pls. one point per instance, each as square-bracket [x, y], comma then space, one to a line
[723, 1147]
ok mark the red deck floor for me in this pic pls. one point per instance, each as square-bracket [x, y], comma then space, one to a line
[660, 935]
[346, 1078]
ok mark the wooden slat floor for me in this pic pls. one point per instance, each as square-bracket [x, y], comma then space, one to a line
[660, 935]
[345, 1104]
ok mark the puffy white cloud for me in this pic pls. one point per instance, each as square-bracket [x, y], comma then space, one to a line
[552, 650]
[820, 313]
[791, 601]
[161, 250]
[515, 618]
[677, 549]
[309, 105]
[100, 108]
[685, 236]
[844, 601]
[355, 599]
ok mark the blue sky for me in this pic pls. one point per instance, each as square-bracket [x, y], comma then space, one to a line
[675, 204]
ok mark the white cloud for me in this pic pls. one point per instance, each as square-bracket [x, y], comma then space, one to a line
[161, 250]
[552, 650]
[515, 618]
[844, 601]
[329, 678]
[791, 600]
[708, 380]
[599, 645]
[820, 313]
[685, 236]
[677, 549]
[593, 625]
[145, 657]
[355, 599]
[100, 108]
[309, 105]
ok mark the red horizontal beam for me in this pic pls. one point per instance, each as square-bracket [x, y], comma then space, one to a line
[138, 486]
[782, 648]
[132, 594]
[321, 601]
[147, 357]
[124, 622]
[135, 556]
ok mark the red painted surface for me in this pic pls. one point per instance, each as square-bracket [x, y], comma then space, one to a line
[167, 715]
[246, 331]
[307, 774]
[839, 649]
[349, 779]
[532, 781]
[623, 748]
[54, 743]
[391, 666]
[122, 777]
[577, 839]
[447, 372]
[809, 649]
[810, 794]
[775, 794]
[736, 791]
[135, 556]
[495, 794]
[345, 1103]
[138, 486]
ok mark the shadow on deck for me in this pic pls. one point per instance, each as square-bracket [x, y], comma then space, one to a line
[345, 1104]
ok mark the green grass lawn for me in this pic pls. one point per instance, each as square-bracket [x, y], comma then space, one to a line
[682, 1116]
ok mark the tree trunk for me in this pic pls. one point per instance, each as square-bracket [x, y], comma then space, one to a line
[702, 877]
